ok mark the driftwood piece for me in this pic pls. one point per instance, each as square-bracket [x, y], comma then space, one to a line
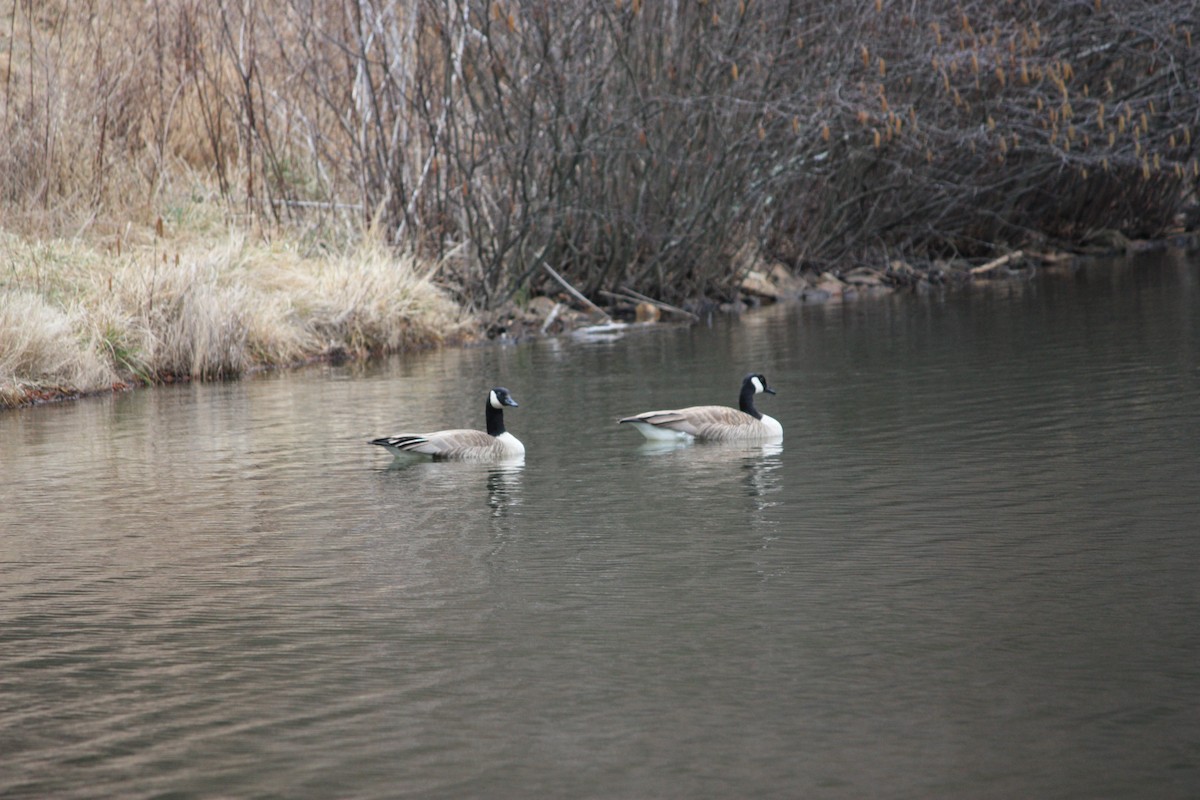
[553, 315]
[997, 263]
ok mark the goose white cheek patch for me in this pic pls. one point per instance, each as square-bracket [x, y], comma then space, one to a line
[758, 385]
[493, 400]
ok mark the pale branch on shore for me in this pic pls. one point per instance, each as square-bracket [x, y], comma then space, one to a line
[996, 263]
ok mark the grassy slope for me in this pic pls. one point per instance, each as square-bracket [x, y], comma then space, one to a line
[80, 316]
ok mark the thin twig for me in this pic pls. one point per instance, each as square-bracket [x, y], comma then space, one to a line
[12, 29]
[279, 201]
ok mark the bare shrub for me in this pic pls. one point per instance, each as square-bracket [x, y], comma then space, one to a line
[975, 126]
[644, 144]
[624, 143]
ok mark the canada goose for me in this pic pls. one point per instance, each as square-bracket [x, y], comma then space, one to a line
[714, 423]
[464, 444]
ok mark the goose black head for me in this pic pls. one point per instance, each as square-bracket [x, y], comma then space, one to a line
[759, 382]
[499, 397]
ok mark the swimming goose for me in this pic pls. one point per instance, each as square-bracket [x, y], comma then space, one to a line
[464, 444]
[714, 423]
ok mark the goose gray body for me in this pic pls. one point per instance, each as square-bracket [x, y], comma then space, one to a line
[713, 423]
[463, 444]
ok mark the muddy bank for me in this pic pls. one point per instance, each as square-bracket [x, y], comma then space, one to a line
[771, 284]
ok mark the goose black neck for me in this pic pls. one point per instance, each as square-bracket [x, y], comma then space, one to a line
[495, 419]
[746, 400]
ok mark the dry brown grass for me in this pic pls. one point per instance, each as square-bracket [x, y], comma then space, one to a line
[40, 350]
[77, 319]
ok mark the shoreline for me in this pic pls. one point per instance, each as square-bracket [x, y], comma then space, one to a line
[564, 314]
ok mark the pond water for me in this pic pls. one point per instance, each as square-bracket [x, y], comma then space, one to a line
[972, 569]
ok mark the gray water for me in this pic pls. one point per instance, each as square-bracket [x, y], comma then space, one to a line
[971, 570]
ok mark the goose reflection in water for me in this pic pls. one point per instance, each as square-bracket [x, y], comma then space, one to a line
[445, 484]
[712, 463]
[504, 487]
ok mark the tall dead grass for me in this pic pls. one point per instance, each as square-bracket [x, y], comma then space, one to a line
[77, 319]
[41, 349]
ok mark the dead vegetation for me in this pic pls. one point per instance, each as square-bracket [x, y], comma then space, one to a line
[75, 319]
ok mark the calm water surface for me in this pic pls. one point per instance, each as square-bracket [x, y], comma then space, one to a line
[971, 570]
